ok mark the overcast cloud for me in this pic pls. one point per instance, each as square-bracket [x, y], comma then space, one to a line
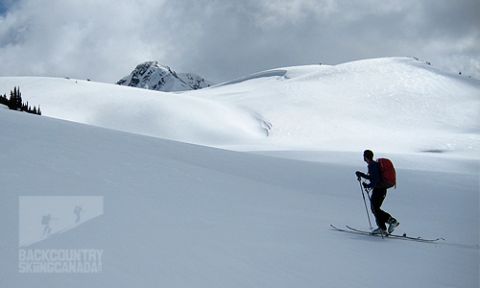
[223, 40]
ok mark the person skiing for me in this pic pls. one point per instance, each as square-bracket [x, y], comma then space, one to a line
[379, 192]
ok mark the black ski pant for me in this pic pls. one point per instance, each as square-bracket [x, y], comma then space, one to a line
[376, 200]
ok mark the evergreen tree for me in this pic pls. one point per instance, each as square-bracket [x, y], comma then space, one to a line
[19, 97]
[12, 101]
[4, 99]
[15, 102]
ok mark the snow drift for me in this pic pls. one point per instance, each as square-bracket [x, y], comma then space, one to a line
[153, 113]
[391, 104]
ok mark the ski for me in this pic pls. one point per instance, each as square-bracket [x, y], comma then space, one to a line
[391, 236]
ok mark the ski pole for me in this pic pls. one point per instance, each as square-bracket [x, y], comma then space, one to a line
[365, 202]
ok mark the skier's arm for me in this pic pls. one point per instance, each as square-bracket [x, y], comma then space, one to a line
[362, 175]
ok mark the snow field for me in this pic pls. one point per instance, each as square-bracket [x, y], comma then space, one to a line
[183, 215]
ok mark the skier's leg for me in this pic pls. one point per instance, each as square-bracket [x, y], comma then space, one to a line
[381, 217]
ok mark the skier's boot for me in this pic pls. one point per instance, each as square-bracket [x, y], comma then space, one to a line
[392, 224]
[379, 231]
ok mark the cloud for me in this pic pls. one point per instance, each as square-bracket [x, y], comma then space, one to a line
[78, 38]
[223, 40]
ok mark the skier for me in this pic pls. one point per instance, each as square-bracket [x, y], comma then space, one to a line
[379, 192]
[77, 211]
[46, 223]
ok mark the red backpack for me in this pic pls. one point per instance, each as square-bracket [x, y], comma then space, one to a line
[387, 171]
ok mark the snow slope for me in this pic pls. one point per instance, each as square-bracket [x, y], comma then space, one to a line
[153, 113]
[180, 215]
[391, 104]
[388, 104]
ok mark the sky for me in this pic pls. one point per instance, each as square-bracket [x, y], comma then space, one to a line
[223, 40]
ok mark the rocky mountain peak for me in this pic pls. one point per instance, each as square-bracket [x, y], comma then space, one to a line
[154, 76]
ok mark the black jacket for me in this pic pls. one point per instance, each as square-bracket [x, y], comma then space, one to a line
[373, 175]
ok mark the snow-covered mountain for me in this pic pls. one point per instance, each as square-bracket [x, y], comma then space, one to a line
[152, 75]
[388, 104]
